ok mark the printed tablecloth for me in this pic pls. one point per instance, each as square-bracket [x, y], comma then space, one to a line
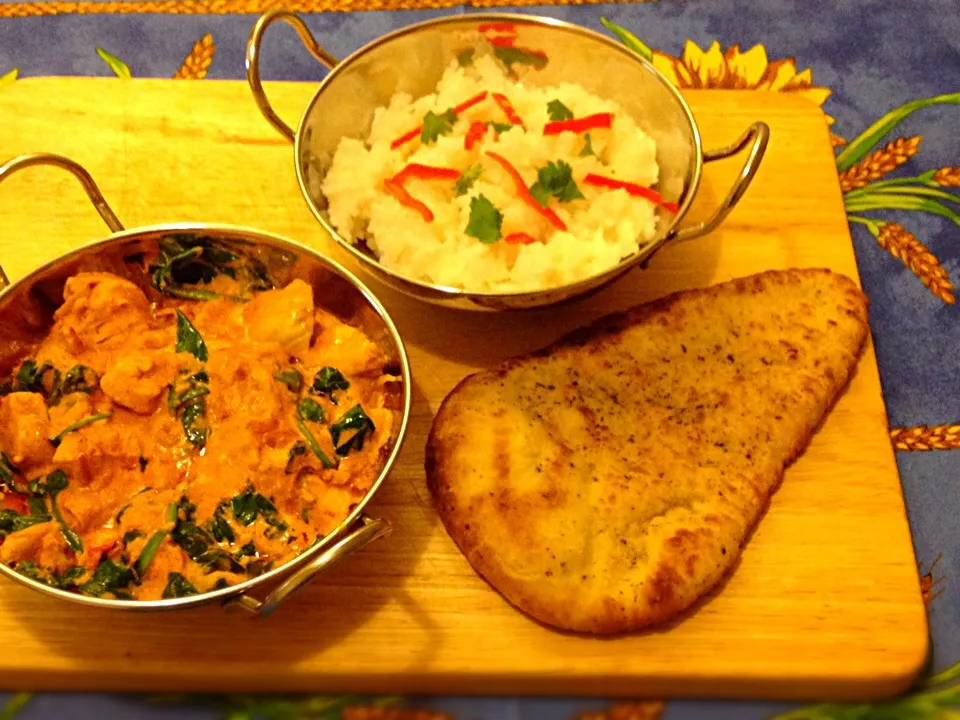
[886, 73]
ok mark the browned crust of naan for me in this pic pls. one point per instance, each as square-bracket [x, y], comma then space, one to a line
[691, 560]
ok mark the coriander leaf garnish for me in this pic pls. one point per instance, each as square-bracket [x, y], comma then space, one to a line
[558, 111]
[436, 125]
[467, 178]
[587, 146]
[555, 180]
[511, 56]
[499, 127]
[465, 57]
[485, 220]
[188, 338]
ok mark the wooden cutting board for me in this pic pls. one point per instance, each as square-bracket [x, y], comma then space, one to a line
[826, 601]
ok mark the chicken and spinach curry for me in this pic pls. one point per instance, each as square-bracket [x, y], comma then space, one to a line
[158, 449]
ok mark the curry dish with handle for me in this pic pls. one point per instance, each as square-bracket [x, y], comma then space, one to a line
[186, 410]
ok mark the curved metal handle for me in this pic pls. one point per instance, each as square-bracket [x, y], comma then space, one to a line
[253, 61]
[369, 530]
[93, 192]
[759, 135]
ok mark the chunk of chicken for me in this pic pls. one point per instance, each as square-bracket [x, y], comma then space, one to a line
[24, 429]
[100, 313]
[137, 379]
[282, 316]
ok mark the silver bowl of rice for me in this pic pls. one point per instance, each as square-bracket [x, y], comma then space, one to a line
[498, 161]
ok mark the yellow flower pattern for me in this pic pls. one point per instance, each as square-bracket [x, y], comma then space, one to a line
[732, 69]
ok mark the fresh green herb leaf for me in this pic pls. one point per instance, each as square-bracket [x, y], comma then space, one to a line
[499, 127]
[219, 560]
[38, 506]
[150, 551]
[186, 398]
[327, 380]
[177, 587]
[71, 578]
[187, 260]
[485, 220]
[7, 471]
[11, 521]
[143, 463]
[305, 512]
[299, 448]
[191, 538]
[131, 535]
[29, 569]
[356, 420]
[555, 180]
[511, 56]
[558, 111]
[80, 378]
[44, 379]
[109, 577]
[465, 57]
[309, 409]
[291, 378]
[314, 445]
[248, 504]
[219, 526]
[436, 125]
[467, 178]
[248, 550]
[55, 483]
[189, 340]
[56, 439]
[587, 146]
[221, 584]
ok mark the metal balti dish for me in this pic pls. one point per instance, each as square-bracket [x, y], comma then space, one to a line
[26, 314]
[413, 59]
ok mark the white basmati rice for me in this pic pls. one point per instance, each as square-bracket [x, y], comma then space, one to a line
[602, 228]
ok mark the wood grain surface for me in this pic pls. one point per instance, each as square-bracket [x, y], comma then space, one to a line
[826, 600]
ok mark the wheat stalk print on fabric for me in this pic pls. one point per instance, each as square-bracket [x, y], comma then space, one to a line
[887, 82]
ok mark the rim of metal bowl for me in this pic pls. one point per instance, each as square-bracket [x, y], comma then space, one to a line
[246, 233]
[639, 256]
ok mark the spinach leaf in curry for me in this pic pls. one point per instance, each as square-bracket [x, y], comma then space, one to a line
[55, 483]
[185, 399]
[185, 261]
[357, 421]
[178, 586]
[327, 380]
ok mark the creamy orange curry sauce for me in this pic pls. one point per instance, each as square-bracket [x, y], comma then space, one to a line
[163, 449]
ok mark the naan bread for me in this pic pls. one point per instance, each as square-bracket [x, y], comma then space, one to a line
[606, 483]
